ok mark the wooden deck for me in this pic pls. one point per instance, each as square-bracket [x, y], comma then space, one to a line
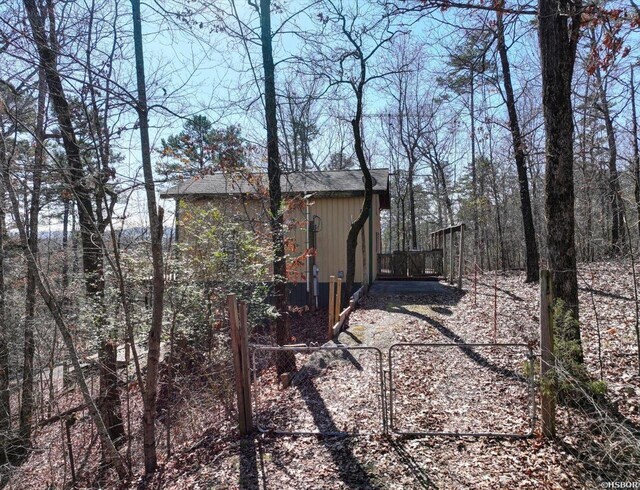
[416, 265]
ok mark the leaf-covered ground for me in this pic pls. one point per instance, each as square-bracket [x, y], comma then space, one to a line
[436, 389]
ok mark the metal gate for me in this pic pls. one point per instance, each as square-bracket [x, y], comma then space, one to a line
[470, 401]
[311, 398]
[483, 390]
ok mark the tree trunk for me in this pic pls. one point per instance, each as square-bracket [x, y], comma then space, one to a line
[519, 149]
[65, 246]
[358, 224]
[586, 249]
[617, 223]
[26, 408]
[474, 177]
[5, 407]
[558, 43]
[438, 193]
[155, 225]
[285, 361]
[412, 209]
[404, 227]
[501, 249]
[440, 179]
[112, 455]
[92, 255]
[409, 147]
[636, 152]
[399, 202]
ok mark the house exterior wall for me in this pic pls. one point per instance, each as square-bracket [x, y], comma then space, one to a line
[335, 217]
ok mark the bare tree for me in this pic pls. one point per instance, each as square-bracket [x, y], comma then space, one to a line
[636, 151]
[299, 123]
[155, 224]
[5, 406]
[92, 251]
[411, 120]
[618, 237]
[363, 33]
[559, 31]
[519, 150]
[33, 216]
[54, 305]
[274, 173]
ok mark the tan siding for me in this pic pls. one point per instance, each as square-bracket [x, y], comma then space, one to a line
[376, 233]
[336, 215]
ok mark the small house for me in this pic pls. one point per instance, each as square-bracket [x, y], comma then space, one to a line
[320, 209]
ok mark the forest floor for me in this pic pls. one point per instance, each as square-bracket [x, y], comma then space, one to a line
[439, 389]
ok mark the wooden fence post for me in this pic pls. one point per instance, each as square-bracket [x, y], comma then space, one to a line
[495, 306]
[246, 363]
[475, 283]
[461, 257]
[451, 257]
[445, 273]
[238, 364]
[548, 396]
[68, 422]
[336, 315]
[332, 280]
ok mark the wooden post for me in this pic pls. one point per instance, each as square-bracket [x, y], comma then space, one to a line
[68, 422]
[445, 273]
[332, 280]
[336, 315]
[246, 376]
[234, 322]
[461, 257]
[495, 306]
[475, 283]
[451, 257]
[548, 397]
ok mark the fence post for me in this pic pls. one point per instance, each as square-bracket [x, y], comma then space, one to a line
[452, 258]
[236, 347]
[495, 306]
[548, 397]
[68, 422]
[445, 272]
[461, 256]
[475, 283]
[332, 280]
[336, 315]
[244, 351]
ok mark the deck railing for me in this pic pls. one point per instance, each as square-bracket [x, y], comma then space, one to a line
[411, 263]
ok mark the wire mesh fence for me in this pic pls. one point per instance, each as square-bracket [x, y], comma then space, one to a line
[196, 402]
[310, 398]
[461, 389]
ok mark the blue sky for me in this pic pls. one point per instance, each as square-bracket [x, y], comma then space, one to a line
[211, 73]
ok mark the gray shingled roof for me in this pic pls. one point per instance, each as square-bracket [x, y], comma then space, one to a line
[334, 182]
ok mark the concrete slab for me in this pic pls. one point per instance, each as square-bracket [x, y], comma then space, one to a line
[408, 287]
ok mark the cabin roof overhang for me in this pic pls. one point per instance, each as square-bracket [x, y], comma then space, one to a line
[342, 183]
